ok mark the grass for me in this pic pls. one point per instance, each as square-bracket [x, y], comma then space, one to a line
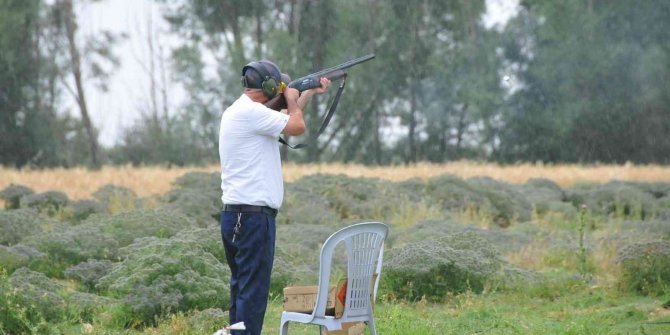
[563, 306]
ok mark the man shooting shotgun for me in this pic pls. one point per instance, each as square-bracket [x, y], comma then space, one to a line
[312, 80]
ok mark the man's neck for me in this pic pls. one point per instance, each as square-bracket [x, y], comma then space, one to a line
[256, 96]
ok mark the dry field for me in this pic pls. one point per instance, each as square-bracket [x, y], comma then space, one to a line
[79, 183]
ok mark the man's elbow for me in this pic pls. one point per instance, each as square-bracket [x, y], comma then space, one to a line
[295, 128]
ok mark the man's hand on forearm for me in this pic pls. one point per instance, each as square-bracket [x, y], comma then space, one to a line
[307, 95]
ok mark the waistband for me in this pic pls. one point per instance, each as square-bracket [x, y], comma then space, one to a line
[251, 209]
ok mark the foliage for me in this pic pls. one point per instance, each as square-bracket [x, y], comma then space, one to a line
[12, 194]
[100, 236]
[13, 317]
[574, 60]
[11, 260]
[508, 204]
[645, 267]
[74, 245]
[337, 199]
[38, 293]
[17, 224]
[115, 199]
[89, 272]
[455, 263]
[196, 195]
[16, 256]
[455, 194]
[49, 203]
[82, 209]
[616, 199]
[125, 227]
[160, 276]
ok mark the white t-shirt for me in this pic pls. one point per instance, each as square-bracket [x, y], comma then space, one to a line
[249, 152]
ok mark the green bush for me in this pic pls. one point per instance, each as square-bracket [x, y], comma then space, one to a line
[86, 306]
[338, 199]
[539, 190]
[12, 194]
[10, 260]
[161, 276]
[509, 204]
[49, 203]
[38, 294]
[209, 239]
[125, 227]
[116, 199]
[74, 245]
[432, 268]
[455, 194]
[89, 272]
[198, 205]
[615, 199]
[196, 195]
[17, 224]
[645, 267]
[82, 209]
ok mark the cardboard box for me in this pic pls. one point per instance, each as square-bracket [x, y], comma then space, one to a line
[348, 328]
[302, 299]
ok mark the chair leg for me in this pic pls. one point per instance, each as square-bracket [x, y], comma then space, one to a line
[283, 329]
[371, 325]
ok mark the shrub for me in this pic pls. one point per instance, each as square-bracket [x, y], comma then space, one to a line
[645, 267]
[74, 245]
[85, 306]
[17, 224]
[38, 294]
[302, 205]
[12, 194]
[209, 239]
[455, 194]
[14, 319]
[125, 227]
[333, 199]
[509, 205]
[89, 272]
[49, 203]
[197, 195]
[615, 199]
[82, 209]
[165, 275]
[198, 205]
[116, 199]
[433, 268]
[10, 260]
[538, 190]
[565, 209]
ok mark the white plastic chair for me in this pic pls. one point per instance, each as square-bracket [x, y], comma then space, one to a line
[365, 246]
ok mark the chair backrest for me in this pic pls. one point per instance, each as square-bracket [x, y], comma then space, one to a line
[365, 249]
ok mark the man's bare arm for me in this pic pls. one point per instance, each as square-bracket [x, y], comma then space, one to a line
[296, 124]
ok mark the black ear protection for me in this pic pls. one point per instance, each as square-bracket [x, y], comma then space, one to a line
[268, 84]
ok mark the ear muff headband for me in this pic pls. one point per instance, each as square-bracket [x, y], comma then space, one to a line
[268, 84]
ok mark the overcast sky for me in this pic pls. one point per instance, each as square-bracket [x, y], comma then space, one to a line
[129, 88]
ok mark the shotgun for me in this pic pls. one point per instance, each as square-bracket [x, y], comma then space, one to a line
[312, 80]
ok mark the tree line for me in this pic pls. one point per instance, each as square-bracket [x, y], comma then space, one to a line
[571, 81]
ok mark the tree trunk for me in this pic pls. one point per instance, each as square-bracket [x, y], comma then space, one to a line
[71, 28]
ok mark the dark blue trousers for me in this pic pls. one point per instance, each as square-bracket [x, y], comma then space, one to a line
[250, 258]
